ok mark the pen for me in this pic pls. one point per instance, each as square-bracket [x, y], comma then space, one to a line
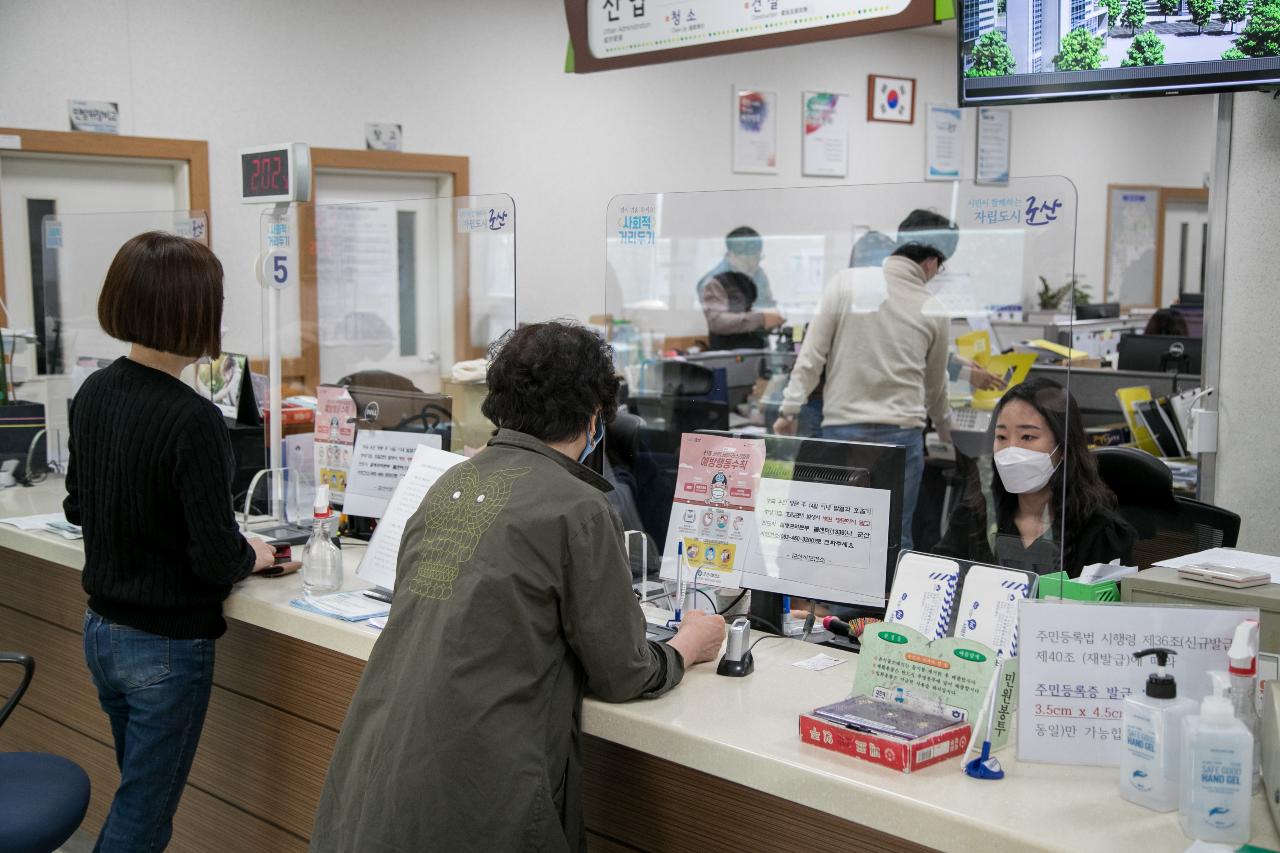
[679, 578]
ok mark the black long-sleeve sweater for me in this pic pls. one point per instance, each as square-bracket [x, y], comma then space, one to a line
[149, 479]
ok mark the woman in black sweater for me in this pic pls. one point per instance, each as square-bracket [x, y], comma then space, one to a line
[1026, 519]
[149, 480]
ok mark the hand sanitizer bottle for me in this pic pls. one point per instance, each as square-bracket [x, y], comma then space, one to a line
[1243, 668]
[1215, 792]
[1150, 763]
[322, 561]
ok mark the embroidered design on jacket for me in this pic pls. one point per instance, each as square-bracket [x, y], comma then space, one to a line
[461, 508]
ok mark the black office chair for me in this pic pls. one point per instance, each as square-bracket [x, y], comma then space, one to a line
[43, 797]
[1168, 525]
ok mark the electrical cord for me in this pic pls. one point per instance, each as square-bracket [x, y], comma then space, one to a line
[705, 595]
[760, 640]
[732, 604]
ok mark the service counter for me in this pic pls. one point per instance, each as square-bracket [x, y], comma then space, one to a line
[715, 765]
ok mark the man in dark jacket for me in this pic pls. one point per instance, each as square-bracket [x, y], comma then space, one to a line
[513, 597]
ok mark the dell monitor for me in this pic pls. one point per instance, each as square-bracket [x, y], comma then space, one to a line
[1159, 353]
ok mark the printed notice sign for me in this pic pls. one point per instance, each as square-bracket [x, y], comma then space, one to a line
[380, 460]
[378, 565]
[821, 541]
[94, 116]
[943, 144]
[713, 513]
[621, 27]
[1077, 667]
[335, 436]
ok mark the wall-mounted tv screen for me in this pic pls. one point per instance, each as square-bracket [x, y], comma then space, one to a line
[1018, 51]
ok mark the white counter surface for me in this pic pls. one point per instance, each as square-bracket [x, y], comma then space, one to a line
[746, 730]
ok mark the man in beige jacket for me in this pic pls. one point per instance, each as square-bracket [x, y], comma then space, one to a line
[882, 339]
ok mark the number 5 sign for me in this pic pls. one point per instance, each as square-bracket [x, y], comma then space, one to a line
[275, 269]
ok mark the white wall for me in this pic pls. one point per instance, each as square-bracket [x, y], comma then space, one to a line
[485, 79]
[1249, 422]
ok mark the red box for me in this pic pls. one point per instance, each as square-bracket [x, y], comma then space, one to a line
[886, 750]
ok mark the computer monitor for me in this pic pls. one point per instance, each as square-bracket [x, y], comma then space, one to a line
[1159, 353]
[801, 573]
[403, 411]
[1098, 311]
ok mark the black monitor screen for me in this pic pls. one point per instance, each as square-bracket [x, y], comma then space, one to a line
[1159, 353]
[1038, 50]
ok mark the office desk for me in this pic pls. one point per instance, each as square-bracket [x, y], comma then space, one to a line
[715, 765]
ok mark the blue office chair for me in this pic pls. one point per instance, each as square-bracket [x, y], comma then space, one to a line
[43, 797]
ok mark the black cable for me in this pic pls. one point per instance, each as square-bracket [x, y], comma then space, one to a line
[760, 640]
[705, 595]
[732, 604]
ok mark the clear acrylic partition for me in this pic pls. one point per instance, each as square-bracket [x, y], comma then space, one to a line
[806, 314]
[379, 317]
[77, 250]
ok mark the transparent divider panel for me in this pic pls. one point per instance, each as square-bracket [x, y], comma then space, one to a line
[76, 251]
[883, 315]
[379, 316]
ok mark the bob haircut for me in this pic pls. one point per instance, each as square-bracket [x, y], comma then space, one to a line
[548, 379]
[164, 292]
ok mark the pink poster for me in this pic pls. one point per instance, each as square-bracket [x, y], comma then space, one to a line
[713, 513]
[335, 437]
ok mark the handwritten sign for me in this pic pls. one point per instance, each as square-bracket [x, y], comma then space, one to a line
[380, 460]
[1077, 667]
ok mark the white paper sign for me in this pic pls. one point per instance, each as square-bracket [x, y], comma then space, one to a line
[378, 566]
[380, 460]
[621, 27]
[1077, 666]
[755, 132]
[994, 129]
[943, 143]
[820, 541]
[94, 116]
[383, 137]
[10, 141]
[826, 134]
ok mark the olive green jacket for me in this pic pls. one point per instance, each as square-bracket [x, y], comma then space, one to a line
[513, 597]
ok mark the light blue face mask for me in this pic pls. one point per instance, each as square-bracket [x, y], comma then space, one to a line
[594, 441]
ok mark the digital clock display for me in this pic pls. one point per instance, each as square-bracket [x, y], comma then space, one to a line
[265, 173]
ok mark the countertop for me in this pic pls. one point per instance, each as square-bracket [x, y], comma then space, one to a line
[746, 730]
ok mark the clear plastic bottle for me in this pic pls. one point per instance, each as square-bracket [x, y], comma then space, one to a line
[1215, 801]
[1150, 764]
[1244, 688]
[322, 561]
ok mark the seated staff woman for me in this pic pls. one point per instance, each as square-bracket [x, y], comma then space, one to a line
[1046, 503]
[512, 599]
[149, 480]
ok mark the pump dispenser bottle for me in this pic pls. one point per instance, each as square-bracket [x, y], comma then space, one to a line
[1152, 739]
[1243, 669]
[1215, 794]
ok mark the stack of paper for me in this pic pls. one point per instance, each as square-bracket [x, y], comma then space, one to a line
[1228, 557]
[352, 606]
[53, 522]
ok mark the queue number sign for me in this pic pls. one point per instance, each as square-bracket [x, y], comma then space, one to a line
[274, 268]
[275, 173]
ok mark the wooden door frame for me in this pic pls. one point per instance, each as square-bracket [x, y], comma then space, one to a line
[1164, 196]
[305, 369]
[195, 152]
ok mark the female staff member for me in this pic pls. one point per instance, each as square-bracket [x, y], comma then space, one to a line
[1046, 502]
[149, 480]
[512, 598]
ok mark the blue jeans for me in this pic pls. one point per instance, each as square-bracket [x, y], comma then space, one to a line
[155, 691]
[910, 437]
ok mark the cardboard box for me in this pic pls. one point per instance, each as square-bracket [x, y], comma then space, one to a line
[886, 750]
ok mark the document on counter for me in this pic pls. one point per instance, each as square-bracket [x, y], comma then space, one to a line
[352, 606]
[53, 522]
[1228, 557]
[818, 662]
[378, 566]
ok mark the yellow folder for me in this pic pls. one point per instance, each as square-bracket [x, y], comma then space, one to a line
[1142, 436]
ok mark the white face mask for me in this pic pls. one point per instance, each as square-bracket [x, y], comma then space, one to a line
[1022, 470]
